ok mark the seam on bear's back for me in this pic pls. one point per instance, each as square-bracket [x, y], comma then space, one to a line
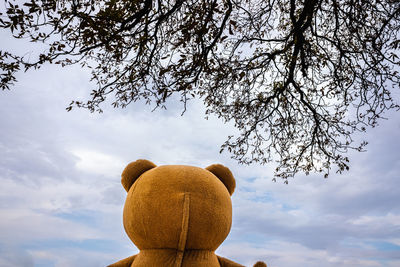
[184, 230]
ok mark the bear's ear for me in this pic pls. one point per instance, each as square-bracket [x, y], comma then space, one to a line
[260, 264]
[225, 175]
[134, 170]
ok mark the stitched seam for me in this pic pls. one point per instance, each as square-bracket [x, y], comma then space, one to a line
[184, 230]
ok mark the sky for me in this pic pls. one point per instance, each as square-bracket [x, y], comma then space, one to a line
[61, 199]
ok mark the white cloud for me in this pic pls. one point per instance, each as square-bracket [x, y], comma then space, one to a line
[378, 221]
[20, 225]
[97, 163]
[287, 254]
[14, 257]
[73, 257]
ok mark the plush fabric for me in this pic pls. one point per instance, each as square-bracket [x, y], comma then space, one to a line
[177, 215]
[260, 264]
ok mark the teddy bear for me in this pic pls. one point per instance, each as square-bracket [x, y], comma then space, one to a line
[177, 215]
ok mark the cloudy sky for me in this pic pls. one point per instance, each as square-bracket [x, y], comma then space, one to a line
[61, 199]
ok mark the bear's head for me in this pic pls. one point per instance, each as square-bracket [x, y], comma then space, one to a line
[177, 207]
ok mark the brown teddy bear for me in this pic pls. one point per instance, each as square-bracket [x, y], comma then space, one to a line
[177, 215]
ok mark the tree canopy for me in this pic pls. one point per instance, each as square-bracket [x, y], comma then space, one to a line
[297, 77]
